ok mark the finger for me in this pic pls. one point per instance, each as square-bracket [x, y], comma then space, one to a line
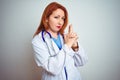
[73, 34]
[70, 30]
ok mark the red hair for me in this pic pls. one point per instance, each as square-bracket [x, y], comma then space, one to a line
[47, 12]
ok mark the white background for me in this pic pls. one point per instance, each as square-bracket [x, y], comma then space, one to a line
[97, 23]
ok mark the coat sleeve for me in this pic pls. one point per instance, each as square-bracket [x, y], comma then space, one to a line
[52, 64]
[80, 57]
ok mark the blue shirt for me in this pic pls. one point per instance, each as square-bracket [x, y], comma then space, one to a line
[58, 41]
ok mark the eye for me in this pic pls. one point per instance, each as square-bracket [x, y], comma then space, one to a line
[63, 18]
[56, 17]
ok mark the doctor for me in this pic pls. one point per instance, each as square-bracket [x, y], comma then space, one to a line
[58, 54]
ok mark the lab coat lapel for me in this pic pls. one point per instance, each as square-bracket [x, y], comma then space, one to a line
[55, 47]
[51, 45]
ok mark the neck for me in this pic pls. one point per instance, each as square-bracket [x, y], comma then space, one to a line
[53, 34]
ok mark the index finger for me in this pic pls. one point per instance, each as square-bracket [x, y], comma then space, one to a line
[70, 30]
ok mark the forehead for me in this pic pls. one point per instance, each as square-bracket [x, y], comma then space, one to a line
[58, 12]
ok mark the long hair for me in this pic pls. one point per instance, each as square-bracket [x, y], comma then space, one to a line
[47, 12]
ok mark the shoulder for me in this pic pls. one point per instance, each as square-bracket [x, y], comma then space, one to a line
[37, 39]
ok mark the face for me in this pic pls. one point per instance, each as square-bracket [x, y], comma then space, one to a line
[56, 20]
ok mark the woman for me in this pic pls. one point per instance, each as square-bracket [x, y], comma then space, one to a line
[58, 54]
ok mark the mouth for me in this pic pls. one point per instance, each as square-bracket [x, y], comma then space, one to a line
[59, 27]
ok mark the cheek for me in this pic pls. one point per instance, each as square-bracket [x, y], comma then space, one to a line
[51, 23]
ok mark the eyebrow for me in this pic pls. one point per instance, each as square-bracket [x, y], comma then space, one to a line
[59, 15]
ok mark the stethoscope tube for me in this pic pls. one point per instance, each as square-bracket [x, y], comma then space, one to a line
[43, 35]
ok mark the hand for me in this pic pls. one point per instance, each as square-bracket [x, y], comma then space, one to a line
[70, 38]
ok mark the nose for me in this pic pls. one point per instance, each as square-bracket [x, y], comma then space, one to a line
[60, 22]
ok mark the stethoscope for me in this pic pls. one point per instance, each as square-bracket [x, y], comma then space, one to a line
[43, 35]
[51, 38]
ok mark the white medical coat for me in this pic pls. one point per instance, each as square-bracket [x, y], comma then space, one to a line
[52, 60]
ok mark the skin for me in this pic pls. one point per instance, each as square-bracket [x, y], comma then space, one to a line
[55, 22]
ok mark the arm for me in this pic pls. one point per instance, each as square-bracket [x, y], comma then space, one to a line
[80, 58]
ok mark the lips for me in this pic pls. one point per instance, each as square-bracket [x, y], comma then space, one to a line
[59, 27]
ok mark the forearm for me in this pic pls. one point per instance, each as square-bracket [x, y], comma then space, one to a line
[80, 57]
